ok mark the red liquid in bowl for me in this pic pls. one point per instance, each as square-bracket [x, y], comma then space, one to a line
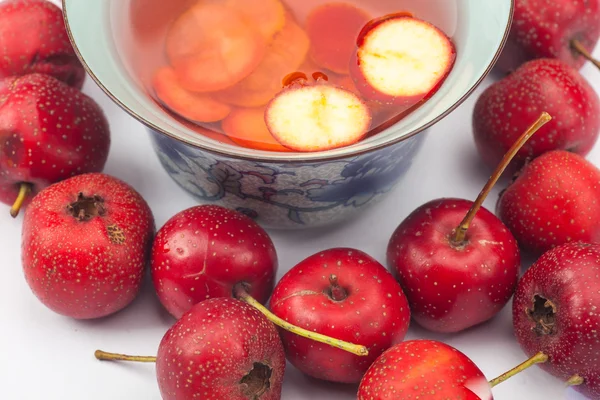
[215, 65]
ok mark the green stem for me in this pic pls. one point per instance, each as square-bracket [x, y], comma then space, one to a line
[539, 358]
[24, 191]
[240, 293]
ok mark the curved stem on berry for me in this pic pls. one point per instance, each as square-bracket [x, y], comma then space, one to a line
[461, 232]
[241, 294]
[580, 48]
[539, 358]
[104, 356]
[24, 191]
[575, 380]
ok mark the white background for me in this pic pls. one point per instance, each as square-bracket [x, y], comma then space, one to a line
[46, 356]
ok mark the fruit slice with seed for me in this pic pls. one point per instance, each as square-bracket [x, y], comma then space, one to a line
[317, 117]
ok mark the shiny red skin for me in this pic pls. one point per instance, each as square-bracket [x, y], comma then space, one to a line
[451, 288]
[49, 131]
[374, 314]
[207, 353]
[424, 370]
[545, 29]
[78, 268]
[569, 277]
[33, 39]
[204, 251]
[510, 106]
[554, 200]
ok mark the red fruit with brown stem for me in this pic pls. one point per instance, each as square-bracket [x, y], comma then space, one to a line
[221, 349]
[507, 107]
[555, 313]
[424, 370]
[85, 245]
[457, 262]
[48, 132]
[345, 294]
[564, 29]
[554, 200]
[204, 251]
[209, 251]
[33, 39]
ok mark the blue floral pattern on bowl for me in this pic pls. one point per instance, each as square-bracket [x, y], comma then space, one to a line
[291, 195]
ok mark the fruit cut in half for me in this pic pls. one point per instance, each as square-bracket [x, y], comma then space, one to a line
[317, 117]
[401, 59]
[195, 107]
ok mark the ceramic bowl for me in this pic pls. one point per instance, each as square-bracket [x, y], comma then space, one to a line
[290, 190]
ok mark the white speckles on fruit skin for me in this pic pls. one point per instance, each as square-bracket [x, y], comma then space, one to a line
[555, 200]
[423, 370]
[451, 289]
[545, 28]
[33, 39]
[510, 106]
[211, 348]
[374, 314]
[73, 267]
[204, 251]
[48, 132]
[569, 277]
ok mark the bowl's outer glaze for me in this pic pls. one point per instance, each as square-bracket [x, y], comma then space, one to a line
[286, 196]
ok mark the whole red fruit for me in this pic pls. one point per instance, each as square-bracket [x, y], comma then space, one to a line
[85, 245]
[424, 370]
[548, 29]
[507, 108]
[454, 286]
[48, 132]
[204, 251]
[555, 311]
[221, 349]
[554, 200]
[33, 39]
[345, 294]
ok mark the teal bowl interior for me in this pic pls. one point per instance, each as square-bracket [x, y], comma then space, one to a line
[101, 33]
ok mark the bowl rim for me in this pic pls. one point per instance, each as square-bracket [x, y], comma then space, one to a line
[317, 156]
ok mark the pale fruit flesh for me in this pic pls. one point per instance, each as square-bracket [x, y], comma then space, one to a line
[317, 118]
[403, 57]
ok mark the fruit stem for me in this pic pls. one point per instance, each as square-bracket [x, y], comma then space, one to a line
[575, 380]
[461, 232]
[104, 356]
[240, 293]
[336, 292]
[579, 48]
[539, 358]
[24, 190]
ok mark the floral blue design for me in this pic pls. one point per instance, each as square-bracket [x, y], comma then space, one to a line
[290, 195]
